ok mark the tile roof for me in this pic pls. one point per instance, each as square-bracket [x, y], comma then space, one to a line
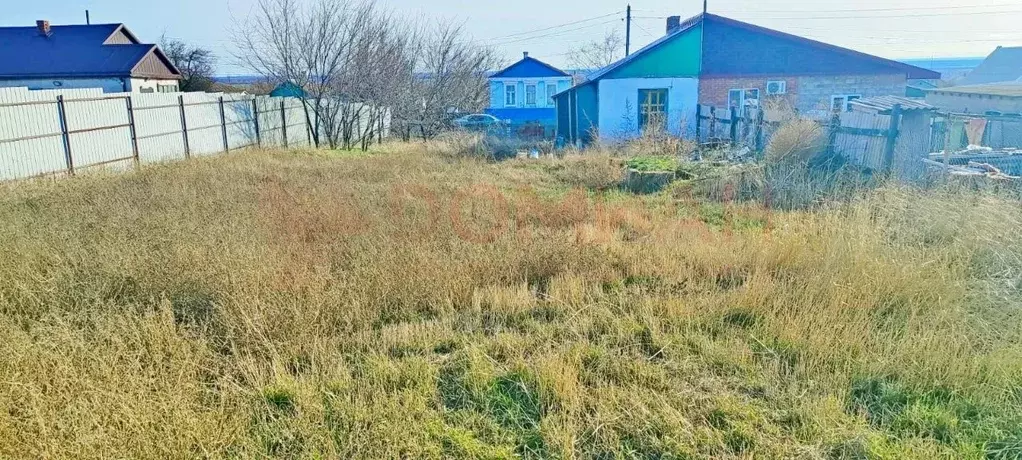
[1004, 64]
[71, 51]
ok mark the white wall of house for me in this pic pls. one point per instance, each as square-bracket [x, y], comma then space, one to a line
[619, 105]
[150, 85]
[498, 95]
[108, 85]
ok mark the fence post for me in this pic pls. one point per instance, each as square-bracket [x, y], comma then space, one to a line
[223, 125]
[734, 125]
[699, 120]
[759, 130]
[835, 126]
[713, 122]
[131, 129]
[283, 123]
[892, 137]
[255, 121]
[184, 125]
[64, 135]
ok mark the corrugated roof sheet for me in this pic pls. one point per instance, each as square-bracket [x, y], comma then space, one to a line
[735, 48]
[1004, 64]
[884, 104]
[69, 51]
[1002, 90]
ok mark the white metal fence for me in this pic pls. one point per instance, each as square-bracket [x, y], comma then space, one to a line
[59, 132]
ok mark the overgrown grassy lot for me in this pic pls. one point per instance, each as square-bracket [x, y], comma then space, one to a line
[407, 304]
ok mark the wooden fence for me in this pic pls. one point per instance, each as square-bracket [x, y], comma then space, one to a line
[867, 139]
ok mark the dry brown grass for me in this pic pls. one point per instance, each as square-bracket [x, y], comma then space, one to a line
[410, 305]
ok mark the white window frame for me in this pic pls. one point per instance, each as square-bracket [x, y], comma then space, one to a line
[535, 95]
[846, 101]
[511, 95]
[742, 100]
[551, 89]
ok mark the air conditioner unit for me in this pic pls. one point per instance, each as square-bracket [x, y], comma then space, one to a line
[776, 87]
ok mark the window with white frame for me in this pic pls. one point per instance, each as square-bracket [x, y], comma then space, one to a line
[510, 96]
[743, 99]
[843, 102]
[530, 95]
[551, 89]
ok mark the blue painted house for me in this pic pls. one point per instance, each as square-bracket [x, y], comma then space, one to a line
[715, 61]
[523, 92]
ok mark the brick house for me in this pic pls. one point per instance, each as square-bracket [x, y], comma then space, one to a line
[717, 61]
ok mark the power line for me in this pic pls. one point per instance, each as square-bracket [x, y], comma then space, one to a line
[862, 10]
[553, 27]
[525, 39]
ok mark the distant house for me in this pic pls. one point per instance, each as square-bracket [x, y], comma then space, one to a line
[720, 62]
[288, 89]
[999, 98]
[106, 56]
[1003, 65]
[523, 92]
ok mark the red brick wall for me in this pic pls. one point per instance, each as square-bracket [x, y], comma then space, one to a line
[714, 91]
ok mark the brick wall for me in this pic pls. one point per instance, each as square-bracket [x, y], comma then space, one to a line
[815, 92]
[804, 93]
[714, 91]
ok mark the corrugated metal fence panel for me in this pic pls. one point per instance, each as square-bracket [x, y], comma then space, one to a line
[240, 124]
[158, 127]
[205, 136]
[99, 127]
[297, 129]
[99, 130]
[269, 121]
[42, 149]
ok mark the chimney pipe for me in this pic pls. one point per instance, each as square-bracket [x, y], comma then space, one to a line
[525, 54]
[673, 23]
[43, 26]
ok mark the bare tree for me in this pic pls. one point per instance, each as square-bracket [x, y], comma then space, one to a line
[196, 64]
[360, 66]
[451, 79]
[598, 53]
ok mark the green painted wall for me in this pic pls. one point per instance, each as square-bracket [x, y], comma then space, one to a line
[588, 111]
[681, 56]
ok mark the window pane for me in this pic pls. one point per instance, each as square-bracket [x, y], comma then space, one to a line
[837, 103]
[550, 91]
[652, 107]
[849, 99]
[509, 95]
[530, 95]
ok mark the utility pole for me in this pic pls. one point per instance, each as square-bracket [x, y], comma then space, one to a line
[628, 30]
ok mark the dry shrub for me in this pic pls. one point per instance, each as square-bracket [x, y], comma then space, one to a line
[798, 140]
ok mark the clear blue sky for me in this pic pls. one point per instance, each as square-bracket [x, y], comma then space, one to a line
[894, 29]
